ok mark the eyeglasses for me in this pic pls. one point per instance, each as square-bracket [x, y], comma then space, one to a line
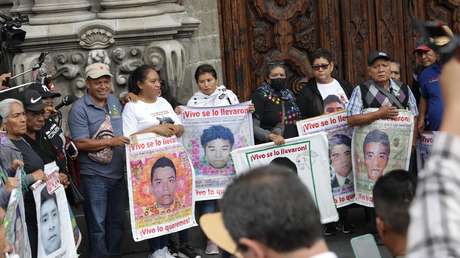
[320, 66]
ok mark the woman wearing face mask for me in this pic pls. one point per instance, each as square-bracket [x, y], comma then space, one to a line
[276, 110]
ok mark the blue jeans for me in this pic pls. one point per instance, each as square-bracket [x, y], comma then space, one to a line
[104, 213]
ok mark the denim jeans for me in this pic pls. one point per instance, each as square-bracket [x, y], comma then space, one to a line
[104, 213]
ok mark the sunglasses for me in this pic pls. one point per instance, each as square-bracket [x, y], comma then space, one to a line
[320, 66]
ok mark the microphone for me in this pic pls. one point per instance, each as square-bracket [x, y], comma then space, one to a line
[66, 100]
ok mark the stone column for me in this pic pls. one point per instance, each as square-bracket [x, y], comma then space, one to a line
[112, 9]
[60, 11]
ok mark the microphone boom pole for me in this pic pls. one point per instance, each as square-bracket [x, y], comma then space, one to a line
[16, 87]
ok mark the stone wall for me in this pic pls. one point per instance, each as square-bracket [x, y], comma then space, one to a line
[159, 27]
[204, 45]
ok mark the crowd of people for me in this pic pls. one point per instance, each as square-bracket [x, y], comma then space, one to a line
[100, 126]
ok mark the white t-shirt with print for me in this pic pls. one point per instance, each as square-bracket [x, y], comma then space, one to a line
[332, 88]
[140, 115]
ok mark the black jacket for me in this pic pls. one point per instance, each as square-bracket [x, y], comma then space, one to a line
[310, 101]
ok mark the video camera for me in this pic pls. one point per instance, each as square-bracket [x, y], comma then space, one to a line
[440, 38]
[10, 34]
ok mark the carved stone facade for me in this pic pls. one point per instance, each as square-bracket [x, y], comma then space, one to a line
[75, 38]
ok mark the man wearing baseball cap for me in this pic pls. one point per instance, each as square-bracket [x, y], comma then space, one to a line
[431, 104]
[381, 92]
[36, 136]
[261, 217]
[96, 127]
[48, 97]
[44, 136]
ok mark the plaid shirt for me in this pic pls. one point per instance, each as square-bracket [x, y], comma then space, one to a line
[355, 104]
[434, 231]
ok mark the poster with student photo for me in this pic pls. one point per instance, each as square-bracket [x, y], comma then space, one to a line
[377, 148]
[160, 186]
[339, 137]
[55, 231]
[15, 225]
[303, 155]
[210, 135]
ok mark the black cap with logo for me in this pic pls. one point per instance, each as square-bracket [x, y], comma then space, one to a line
[32, 100]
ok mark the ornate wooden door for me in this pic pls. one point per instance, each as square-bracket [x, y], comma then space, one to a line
[254, 32]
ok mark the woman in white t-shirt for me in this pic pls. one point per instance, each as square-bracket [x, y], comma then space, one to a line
[150, 113]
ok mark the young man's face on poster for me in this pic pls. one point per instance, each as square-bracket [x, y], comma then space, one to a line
[376, 157]
[333, 107]
[341, 159]
[50, 226]
[218, 152]
[164, 186]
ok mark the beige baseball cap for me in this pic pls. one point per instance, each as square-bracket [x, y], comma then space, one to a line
[97, 70]
[213, 227]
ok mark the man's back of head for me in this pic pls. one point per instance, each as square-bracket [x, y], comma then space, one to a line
[269, 210]
[393, 193]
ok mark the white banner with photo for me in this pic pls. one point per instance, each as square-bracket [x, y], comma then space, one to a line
[339, 137]
[55, 230]
[306, 156]
[160, 186]
[378, 148]
[210, 135]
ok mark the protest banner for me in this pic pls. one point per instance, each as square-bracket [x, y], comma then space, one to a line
[306, 156]
[15, 223]
[339, 137]
[424, 144]
[55, 231]
[160, 186]
[210, 135]
[377, 148]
